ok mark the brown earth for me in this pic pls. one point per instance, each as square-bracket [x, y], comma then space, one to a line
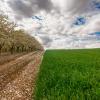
[17, 77]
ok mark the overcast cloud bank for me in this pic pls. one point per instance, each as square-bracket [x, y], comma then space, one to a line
[57, 29]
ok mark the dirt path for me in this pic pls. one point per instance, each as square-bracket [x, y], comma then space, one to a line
[21, 83]
[7, 57]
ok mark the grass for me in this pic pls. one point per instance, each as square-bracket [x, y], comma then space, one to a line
[69, 75]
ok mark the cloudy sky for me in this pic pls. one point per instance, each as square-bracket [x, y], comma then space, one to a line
[57, 23]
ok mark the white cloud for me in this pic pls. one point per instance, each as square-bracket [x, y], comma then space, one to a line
[72, 6]
[57, 30]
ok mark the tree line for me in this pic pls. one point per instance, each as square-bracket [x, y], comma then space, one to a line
[15, 41]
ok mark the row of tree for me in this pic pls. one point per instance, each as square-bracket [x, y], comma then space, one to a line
[12, 40]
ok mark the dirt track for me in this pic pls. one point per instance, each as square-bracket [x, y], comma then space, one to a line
[17, 77]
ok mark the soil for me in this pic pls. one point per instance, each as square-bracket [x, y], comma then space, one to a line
[18, 77]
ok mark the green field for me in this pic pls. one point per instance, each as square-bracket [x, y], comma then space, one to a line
[69, 75]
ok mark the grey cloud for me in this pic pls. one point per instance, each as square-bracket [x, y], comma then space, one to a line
[79, 6]
[46, 40]
[26, 8]
[22, 9]
[73, 6]
[44, 4]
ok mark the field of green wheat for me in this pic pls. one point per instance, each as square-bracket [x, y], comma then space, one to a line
[69, 75]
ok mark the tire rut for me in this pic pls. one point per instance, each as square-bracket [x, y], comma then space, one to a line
[12, 69]
[21, 86]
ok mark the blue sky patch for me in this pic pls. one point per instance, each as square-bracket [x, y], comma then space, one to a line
[37, 17]
[96, 4]
[95, 33]
[80, 21]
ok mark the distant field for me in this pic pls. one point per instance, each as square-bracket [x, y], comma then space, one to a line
[69, 75]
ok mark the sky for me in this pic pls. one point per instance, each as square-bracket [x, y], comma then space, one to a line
[57, 24]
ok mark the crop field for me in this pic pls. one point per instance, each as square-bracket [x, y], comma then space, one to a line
[69, 75]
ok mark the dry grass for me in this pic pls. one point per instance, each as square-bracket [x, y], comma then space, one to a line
[7, 57]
